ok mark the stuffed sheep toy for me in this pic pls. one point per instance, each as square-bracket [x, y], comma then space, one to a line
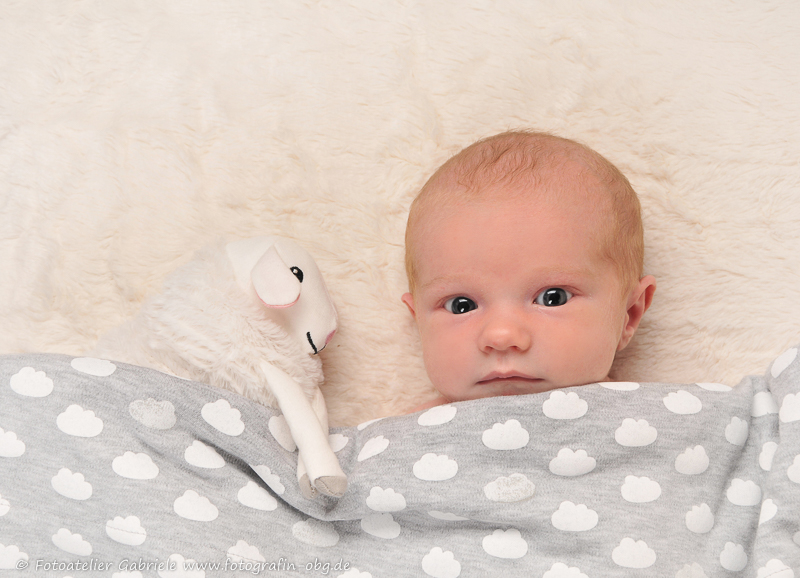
[249, 316]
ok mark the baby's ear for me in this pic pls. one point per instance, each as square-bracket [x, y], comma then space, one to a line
[638, 302]
[408, 299]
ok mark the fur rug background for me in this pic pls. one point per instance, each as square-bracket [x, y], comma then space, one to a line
[131, 134]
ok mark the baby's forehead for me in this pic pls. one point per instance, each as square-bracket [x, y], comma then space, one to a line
[568, 185]
[513, 210]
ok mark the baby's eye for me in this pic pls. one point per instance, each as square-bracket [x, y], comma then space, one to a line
[553, 297]
[459, 305]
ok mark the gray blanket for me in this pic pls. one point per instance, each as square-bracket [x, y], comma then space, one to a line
[109, 470]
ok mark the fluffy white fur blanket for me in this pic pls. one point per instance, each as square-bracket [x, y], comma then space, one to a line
[132, 134]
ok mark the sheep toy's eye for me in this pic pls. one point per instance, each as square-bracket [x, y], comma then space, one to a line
[297, 273]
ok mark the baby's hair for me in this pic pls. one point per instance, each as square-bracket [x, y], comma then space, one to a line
[527, 158]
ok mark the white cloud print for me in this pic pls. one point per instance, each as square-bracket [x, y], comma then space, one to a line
[635, 433]
[775, 569]
[683, 403]
[435, 468]
[768, 511]
[744, 493]
[783, 361]
[440, 563]
[243, 551]
[254, 496]
[446, 516]
[365, 424]
[561, 570]
[71, 485]
[700, 519]
[31, 383]
[790, 408]
[718, 387]
[223, 417]
[733, 557]
[272, 480]
[633, 554]
[9, 557]
[180, 565]
[439, 415]
[574, 518]
[135, 466]
[736, 431]
[620, 385]
[767, 454]
[76, 421]
[505, 544]
[203, 456]
[763, 404]
[128, 531]
[506, 436]
[640, 490]
[72, 543]
[193, 506]
[10, 446]
[386, 500]
[572, 463]
[692, 462]
[372, 448]
[563, 405]
[355, 573]
[381, 526]
[794, 470]
[337, 441]
[513, 488]
[693, 570]
[152, 413]
[316, 533]
[93, 366]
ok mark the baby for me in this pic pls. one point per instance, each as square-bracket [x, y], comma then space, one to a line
[524, 255]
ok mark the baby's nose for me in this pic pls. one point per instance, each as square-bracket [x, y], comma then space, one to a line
[506, 333]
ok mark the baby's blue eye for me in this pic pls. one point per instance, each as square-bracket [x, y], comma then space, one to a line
[459, 305]
[553, 297]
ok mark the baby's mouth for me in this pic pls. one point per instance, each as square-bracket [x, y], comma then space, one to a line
[509, 377]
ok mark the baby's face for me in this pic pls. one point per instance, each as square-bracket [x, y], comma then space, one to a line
[514, 297]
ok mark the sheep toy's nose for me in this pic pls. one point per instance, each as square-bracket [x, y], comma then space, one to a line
[329, 337]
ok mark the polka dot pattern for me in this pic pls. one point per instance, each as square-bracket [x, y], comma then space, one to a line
[125, 463]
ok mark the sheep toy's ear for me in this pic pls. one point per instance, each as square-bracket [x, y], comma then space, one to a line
[275, 283]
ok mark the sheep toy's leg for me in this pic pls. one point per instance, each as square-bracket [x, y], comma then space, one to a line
[336, 484]
[317, 458]
[303, 481]
[333, 485]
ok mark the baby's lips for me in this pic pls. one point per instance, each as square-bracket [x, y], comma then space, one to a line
[503, 375]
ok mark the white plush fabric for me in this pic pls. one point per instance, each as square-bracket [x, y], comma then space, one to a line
[133, 133]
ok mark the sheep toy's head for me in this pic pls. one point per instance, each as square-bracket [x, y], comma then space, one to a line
[288, 282]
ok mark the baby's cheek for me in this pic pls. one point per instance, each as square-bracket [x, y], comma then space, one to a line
[435, 354]
[446, 362]
[605, 351]
[592, 357]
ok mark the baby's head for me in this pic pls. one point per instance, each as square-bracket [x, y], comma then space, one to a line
[524, 255]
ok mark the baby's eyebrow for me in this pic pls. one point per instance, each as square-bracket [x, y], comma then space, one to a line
[435, 280]
[556, 274]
